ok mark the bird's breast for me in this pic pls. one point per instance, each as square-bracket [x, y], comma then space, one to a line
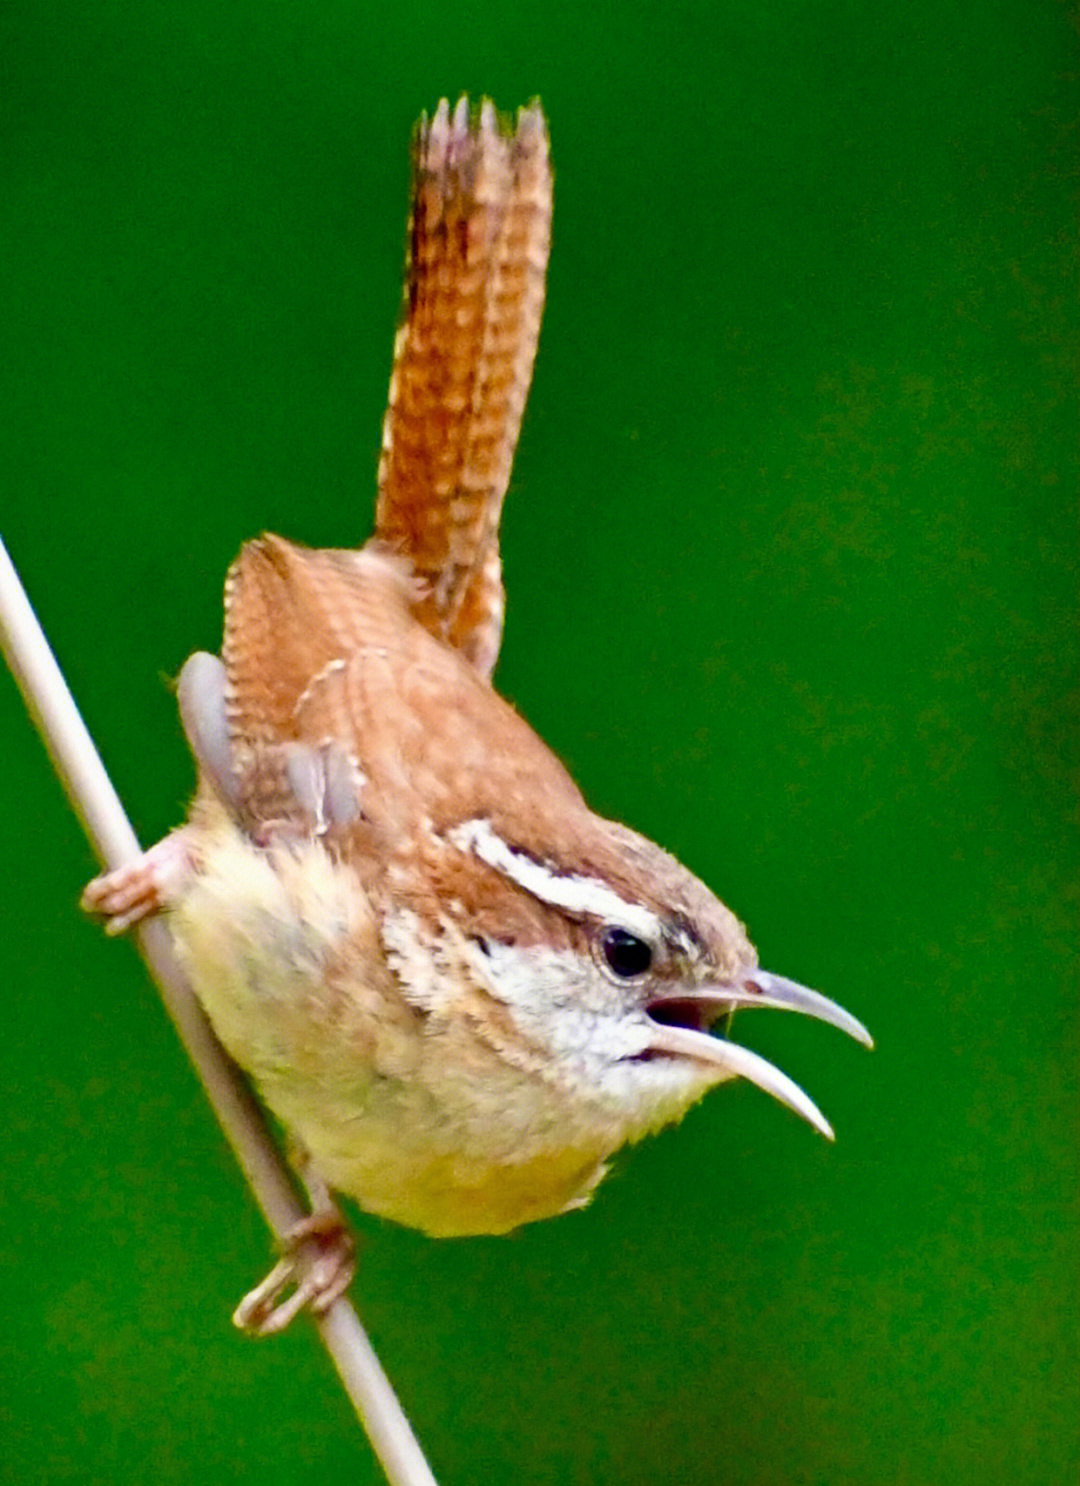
[408, 1110]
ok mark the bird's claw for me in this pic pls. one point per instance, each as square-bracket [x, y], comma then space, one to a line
[319, 1260]
[143, 887]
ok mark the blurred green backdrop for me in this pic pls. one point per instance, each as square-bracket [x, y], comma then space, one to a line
[791, 555]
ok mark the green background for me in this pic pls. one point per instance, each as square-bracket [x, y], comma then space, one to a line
[791, 555]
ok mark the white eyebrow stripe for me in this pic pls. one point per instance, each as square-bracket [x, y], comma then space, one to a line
[577, 895]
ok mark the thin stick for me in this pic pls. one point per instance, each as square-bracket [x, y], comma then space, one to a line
[98, 807]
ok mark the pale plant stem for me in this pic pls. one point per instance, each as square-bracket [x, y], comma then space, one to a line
[97, 805]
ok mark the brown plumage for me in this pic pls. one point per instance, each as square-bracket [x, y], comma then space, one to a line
[459, 988]
[479, 235]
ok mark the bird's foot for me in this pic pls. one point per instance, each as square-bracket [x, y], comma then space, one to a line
[319, 1260]
[141, 888]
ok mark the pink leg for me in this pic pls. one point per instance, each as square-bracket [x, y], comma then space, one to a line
[144, 887]
[319, 1260]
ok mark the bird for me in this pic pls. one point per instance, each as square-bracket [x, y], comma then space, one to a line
[459, 989]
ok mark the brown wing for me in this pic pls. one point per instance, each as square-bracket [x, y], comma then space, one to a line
[346, 715]
[293, 615]
[463, 360]
[294, 621]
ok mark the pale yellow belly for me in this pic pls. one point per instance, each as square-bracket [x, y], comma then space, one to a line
[417, 1122]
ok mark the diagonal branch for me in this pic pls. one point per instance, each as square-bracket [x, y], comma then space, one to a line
[98, 807]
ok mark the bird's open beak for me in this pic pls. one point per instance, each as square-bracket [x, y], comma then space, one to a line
[682, 1022]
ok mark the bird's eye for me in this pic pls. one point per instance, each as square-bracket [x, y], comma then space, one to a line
[624, 953]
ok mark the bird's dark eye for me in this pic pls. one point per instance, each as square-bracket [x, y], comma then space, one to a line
[624, 953]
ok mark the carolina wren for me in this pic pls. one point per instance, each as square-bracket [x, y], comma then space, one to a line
[459, 989]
